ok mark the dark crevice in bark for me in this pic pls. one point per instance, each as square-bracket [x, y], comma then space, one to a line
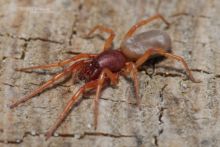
[160, 117]
[155, 141]
[190, 15]
[65, 135]
[105, 135]
[73, 31]
[23, 53]
[31, 38]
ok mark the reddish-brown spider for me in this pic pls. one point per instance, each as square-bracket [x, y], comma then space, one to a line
[99, 70]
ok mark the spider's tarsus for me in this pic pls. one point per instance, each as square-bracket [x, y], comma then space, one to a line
[20, 69]
[48, 135]
[13, 105]
[17, 69]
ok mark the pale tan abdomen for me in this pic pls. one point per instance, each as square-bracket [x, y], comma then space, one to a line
[137, 45]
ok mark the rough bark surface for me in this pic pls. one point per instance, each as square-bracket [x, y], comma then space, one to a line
[174, 111]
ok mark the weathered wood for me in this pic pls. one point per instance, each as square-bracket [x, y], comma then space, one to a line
[175, 112]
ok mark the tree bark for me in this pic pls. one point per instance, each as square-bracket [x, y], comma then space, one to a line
[174, 110]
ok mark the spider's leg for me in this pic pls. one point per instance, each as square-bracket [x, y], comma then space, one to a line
[139, 24]
[109, 40]
[68, 70]
[162, 52]
[60, 63]
[106, 73]
[71, 102]
[132, 70]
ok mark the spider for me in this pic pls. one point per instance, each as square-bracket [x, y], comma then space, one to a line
[103, 69]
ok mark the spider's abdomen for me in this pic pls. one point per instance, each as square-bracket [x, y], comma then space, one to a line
[114, 60]
[135, 46]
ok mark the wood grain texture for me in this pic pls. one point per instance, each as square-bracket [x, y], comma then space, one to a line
[175, 111]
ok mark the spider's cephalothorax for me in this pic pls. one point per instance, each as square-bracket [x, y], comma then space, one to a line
[90, 71]
[114, 60]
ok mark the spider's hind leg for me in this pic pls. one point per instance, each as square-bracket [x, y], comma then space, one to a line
[164, 53]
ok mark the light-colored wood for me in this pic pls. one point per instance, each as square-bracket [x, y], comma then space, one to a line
[174, 111]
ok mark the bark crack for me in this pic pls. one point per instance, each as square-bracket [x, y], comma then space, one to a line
[190, 15]
[160, 117]
[73, 30]
[23, 53]
[31, 38]
[167, 74]
[74, 25]
[65, 135]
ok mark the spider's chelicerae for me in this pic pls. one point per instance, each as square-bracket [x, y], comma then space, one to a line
[101, 70]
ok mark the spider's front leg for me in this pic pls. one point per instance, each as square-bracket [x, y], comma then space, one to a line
[106, 73]
[75, 67]
[60, 63]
